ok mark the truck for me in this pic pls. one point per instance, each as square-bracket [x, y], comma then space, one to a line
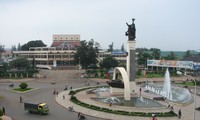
[39, 108]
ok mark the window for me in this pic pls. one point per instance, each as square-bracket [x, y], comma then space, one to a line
[40, 107]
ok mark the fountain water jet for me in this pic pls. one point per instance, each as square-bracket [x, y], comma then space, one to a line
[167, 86]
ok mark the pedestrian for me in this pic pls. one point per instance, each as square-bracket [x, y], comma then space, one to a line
[71, 88]
[63, 97]
[79, 115]
[154, 117]
[140, 90]
[168, 105]
[172, 108]
[3, 110]
[110, 103]
[179, 113]
[65, 87]
[54, 91]
[82, 117]
[20, 99]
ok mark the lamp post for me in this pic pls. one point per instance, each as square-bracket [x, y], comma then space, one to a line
[195, 91]
[79, 63]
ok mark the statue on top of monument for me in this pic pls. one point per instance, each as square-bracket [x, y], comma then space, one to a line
[131, 31]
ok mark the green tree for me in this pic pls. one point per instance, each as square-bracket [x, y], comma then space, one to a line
[20, 63]
[143, 55]
[187, 54]
[87, 53]
[1, 49]
[122, 47]
[110, 47]
[23, 85]
[13, 48]
[1, 114]
[171, 56]
[4, 69]
[36, 43]
[155, 53]
[109, 62]
[19, 47]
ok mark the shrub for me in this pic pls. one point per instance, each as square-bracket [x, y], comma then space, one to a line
[1, 113]
[198, 108]
[23, 85]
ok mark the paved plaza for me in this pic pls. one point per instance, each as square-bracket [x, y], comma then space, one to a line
[71, 78]
[187, 110]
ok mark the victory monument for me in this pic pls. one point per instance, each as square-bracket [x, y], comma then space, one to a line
[130, 65]
[127, 84]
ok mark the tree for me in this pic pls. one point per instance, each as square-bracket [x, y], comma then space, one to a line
[143, 55]
[4, 69]
[122, 47]
[19, 47]
[13, 48]
[187, 54]
[109, 62]
[1, 114]
[36, 43]
[1, 49]
[171, 56]
[87, 53]
[23, 85]
[20, 63]
[110, 47]
[155, 53]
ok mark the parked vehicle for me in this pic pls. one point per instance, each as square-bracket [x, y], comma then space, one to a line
[39, 108]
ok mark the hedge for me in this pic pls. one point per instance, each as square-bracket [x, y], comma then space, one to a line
[119, 112]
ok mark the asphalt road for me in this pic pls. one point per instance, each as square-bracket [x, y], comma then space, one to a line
[43, 93]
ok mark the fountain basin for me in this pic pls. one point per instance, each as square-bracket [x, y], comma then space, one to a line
[134, 102]
[178, 94]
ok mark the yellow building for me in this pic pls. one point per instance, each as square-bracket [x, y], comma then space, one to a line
[60, 54]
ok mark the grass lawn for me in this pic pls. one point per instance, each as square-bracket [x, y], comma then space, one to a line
[187, 83]
[22, 90]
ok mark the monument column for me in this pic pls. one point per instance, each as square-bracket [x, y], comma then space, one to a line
[130, 66]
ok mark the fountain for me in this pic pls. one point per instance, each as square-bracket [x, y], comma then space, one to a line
[167, 86]
[171, 93]
[119, 100]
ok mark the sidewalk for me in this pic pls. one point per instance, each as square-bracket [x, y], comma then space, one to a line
[6, 118]
[187, 111]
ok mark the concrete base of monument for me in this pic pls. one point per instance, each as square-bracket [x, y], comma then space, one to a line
[134, 88]
[120, 91]
[116, 91]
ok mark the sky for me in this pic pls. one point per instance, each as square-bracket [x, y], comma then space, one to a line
[169, 25]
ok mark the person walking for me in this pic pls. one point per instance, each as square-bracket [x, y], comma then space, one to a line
[179, 113]
[79, 115]
[20, 99]
[65, 87]
[3, 110]
[154, 117]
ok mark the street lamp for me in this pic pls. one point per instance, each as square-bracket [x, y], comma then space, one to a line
[79, 63]
[195, 91]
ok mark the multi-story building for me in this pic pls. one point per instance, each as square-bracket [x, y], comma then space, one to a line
[119, 55]
[61, 52]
